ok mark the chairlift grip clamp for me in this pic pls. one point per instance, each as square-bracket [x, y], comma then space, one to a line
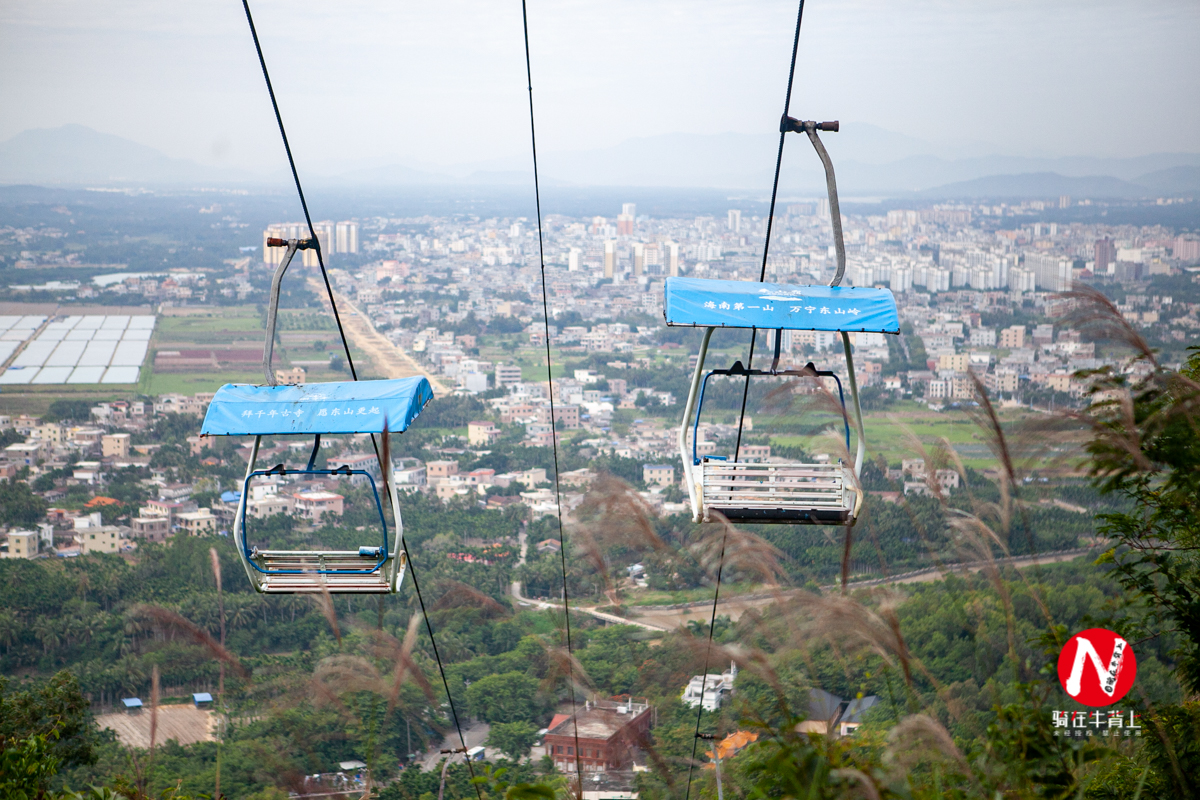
[792, 125]
[301, 244]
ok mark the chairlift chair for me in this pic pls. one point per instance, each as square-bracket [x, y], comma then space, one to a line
[347, 407]
[795, 493]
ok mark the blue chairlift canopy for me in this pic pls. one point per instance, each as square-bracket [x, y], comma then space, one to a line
[704, 303]
[240, 409]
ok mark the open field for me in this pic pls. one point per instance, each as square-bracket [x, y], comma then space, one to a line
[184, 724]
[229, 341]
[890, 433]
[36, 400]
[220, 326]
[156, 383]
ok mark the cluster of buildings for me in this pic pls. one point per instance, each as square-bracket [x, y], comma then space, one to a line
[949, 266]
[88, 455]
[437, 270]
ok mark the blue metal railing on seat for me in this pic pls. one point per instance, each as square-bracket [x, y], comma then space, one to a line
[366, 552]
[808, 371]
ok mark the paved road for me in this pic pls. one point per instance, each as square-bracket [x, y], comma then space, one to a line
[475, 733]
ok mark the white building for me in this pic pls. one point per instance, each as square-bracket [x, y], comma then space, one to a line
[709, 690]
[347, 237]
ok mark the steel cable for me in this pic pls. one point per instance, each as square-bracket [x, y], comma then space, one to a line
[562, 549]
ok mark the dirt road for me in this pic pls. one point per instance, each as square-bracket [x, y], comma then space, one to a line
[671, 618]
[389, 360]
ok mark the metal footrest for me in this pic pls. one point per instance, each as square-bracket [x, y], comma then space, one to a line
[334, 584]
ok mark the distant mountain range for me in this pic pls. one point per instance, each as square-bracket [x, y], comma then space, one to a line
[77, 155]
[870, 161]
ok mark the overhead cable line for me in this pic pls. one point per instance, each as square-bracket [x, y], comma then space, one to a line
[316, 245]
[783, 131]
[562, 549]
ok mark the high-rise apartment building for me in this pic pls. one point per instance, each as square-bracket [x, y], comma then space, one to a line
[1186, 249]
[1021, 280]
[639, 259]
[610, 258]
[326, 236]
[652, 259]
[626, 219]
[671, 253]
[1105, 254]
[1051, 272]
[347, 237]
[735, 220]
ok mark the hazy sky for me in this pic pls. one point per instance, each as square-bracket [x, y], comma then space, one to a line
[442, 81]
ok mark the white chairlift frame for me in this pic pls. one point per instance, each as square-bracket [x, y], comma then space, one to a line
[772, 492]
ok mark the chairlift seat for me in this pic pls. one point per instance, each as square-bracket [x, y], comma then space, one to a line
[313, 571]
[815, 494]
[314, 409]
[792, 493]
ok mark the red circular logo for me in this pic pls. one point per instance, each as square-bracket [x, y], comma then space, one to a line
[1097, 667]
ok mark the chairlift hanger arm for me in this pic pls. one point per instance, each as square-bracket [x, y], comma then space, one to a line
[791, 125]
[292, 246]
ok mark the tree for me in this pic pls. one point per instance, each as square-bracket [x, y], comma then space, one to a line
[19, 506]
[75, 410]
[505, 325]
[10, 628]
[1150, 454]
[56, 710]
[507, 697]
[513, 738]
[26, 767]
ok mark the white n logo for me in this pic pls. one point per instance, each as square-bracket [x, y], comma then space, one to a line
[1108, 677]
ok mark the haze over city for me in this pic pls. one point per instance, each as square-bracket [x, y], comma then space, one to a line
[441, 86]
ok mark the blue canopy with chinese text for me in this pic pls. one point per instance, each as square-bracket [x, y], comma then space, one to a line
[702, 302]
[344, 407]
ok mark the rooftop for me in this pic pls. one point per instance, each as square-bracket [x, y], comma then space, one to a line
[601, 720]
[318, 497]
